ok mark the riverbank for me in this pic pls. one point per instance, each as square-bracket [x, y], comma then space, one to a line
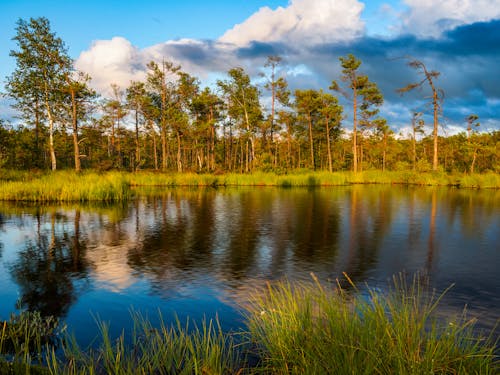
[290, 329]
[64, 186]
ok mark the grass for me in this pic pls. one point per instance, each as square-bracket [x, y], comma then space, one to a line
[164, 350]
[307, 328]
[309, 178]
[65, 186]
[299, 328]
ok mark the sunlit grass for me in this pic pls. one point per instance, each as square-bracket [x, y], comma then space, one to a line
[292, 328]
[66, 186]
[317, 329]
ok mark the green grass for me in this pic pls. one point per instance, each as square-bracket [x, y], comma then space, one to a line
[309, 178]
[299, 328]
[174, 349]
[66, 186]
[310, 328]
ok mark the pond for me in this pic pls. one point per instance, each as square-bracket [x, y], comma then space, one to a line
[200, 252]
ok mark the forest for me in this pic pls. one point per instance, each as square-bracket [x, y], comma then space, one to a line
[170, 122]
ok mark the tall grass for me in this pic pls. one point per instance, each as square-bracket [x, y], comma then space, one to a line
[67, 186]
[23, 339]
[311, 178]
[307, 328]
[299, 328]
[176, 349]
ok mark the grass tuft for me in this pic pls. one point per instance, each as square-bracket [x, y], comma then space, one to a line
[310, 328]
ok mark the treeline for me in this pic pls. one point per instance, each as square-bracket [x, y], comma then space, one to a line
[169, 122]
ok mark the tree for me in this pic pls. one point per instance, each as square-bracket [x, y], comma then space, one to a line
[158, 81]
[331, 112]
[207, 108]
[360, 86]
[471, 124]
[187, 90]
[473, 143]
[308, 104]
[136, 101]
[279, 91]
[385, 132]
[80, 95]
[417, 127]
[115, 110]
[42, 64]
[437, 98]
[243, 105]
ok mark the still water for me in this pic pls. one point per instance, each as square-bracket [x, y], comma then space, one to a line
[200, 252]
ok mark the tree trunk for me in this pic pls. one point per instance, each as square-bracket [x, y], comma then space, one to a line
[137, 146]
[51, 134]
[435, 132]
[414, 147]
[252, 143]
[328, 147]
[155, 151]
[474, 156]
[212, 140]
[384, 153]
[74, 112]
[311, 145]
[179, 154]
[37, 134]
[354, 130]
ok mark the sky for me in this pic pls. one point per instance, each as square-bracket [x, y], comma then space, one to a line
[114, 40]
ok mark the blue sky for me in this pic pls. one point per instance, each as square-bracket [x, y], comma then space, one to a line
[113, 40]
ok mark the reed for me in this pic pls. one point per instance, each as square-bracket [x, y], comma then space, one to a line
[67, 186]
[175, 349]
[292, 328]
[310, 328]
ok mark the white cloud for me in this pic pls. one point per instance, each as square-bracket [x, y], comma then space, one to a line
[429, 18]
[118, 61]
[302, 21]
[111, 61]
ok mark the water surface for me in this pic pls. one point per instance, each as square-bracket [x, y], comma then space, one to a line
[200, 252]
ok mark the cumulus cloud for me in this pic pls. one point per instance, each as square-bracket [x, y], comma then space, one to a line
[111, 61]
[429, 18]
[311, 34]
[302, 22]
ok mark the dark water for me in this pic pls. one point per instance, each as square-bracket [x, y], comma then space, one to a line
[198, 253]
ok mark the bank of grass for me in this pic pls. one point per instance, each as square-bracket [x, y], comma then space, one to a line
[319, 178]
[117, 186]
[299, 328]
[66, 186]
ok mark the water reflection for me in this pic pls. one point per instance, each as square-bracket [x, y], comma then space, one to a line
[50, 264]
[185, 244]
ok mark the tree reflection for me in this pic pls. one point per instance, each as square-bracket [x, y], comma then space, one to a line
[47, 268]
[370, 219]
[179, 241]
[316, 229]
